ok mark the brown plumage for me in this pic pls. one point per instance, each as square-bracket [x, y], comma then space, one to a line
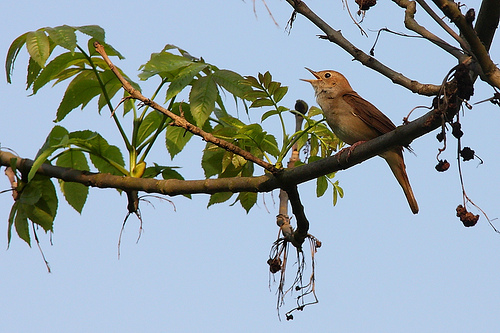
[354, 119]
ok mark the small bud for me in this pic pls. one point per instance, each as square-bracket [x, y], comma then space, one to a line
[301, 106]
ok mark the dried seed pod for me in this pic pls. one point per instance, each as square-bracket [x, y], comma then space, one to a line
[467, 154]
[274, 265]
[467, 218]
[440, 136]
[442, 165]
[366, 4]
[457, 130]
[465, 85]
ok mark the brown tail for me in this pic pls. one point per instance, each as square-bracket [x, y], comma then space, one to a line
[395, 160]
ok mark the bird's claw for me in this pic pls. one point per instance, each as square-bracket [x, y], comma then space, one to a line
[349, 150]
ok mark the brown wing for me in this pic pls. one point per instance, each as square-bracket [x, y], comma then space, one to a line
[369, 114]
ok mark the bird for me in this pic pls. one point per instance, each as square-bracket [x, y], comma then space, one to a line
[353, 119]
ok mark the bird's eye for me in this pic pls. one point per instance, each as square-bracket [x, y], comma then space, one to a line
[327, 75]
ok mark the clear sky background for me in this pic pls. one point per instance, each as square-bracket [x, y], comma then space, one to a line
[380, 267]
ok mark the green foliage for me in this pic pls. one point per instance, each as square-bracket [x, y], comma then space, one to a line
[75, 193]
[219, 198]
[37, 202]
[182, 77]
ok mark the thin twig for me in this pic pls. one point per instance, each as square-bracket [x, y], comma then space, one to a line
[411, 24]
[336, 37]
[445, 27]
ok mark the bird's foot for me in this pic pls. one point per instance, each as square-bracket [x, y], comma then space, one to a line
[349, 150]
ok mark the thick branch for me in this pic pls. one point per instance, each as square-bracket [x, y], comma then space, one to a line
[402, 135]
[180, 121]
[169, 187]
[300, 233]
[487, 21]
[337, 38]
[491, 72]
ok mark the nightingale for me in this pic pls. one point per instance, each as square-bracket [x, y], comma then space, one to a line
[354, 119]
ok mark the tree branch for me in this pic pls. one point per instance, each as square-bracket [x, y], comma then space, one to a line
[286, 178]
[300, 233]
[337, 38]
[180, 121]
[445, 27]
[491, 72]
[487, 21]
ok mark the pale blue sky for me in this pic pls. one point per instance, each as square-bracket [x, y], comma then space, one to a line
[380, 268]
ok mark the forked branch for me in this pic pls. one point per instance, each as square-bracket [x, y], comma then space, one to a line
[336, 37]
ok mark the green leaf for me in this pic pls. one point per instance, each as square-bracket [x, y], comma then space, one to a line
[321, 186]
[43, 212]
[184, 78]
[33, 71]
[269, 114]
[314, 111]
[231, 81]
[202, 99]
[302, 140]
[176, 139]
[170, 173]
[149, 124]
[57, 138]
[102, 153]
[12, 216]
[14, 49]
[252, 81]
[55, 67]
[270, 145]
[272, 87]
[280, 93]
[219, 198]
[212, 160]
[247, 200]
[105, 157]
[94, 31]
[183, 52]
[75, 193]
[38, 46]
[259, 102]
[81, 90]
[22, 226]
[112, 86]
[337, 191]
[162, 63]
[110, 50]
[64, 36]
[265, 79]
[254, 94]
[38, 202]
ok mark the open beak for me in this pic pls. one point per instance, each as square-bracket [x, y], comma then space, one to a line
[313, 73]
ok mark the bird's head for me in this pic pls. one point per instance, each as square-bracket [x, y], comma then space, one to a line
[330, 82]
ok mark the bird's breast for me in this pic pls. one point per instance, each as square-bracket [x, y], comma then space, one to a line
[344, 122]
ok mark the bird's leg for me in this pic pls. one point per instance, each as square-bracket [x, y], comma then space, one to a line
[349, 150]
